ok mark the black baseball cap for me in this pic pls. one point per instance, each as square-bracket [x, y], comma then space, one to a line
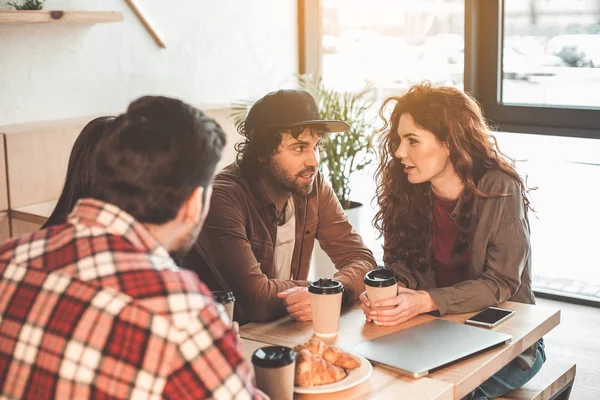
[288, 108]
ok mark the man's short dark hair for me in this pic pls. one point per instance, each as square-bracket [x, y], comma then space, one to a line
[154, 156]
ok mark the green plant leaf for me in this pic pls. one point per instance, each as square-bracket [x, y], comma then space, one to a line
[239, 111]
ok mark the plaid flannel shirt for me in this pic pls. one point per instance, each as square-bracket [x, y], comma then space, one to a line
[96, 308]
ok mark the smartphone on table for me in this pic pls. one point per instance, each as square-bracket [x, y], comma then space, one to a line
[490, 317]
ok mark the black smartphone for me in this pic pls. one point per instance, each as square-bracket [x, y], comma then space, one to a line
[490, 317]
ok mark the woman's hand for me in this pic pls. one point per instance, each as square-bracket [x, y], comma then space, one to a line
[365, 305]
[405, 305]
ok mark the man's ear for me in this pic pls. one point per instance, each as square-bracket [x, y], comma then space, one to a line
[192, 209]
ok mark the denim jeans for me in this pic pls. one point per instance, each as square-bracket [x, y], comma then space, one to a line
[509, 378]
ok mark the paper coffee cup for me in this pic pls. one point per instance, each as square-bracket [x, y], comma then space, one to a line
[274, 368]
[381, 284]
[227, 299]
[326, 306]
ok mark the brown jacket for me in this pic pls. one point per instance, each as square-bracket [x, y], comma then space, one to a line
[500, 264]
[235, 249]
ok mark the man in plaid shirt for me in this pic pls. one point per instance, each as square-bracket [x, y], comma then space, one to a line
[96, 308]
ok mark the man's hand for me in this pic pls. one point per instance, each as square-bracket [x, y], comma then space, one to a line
[297, 303]
[406, 305]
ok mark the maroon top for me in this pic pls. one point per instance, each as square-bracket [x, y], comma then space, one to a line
[445, 233]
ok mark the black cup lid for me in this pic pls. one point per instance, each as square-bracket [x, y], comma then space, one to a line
[326, 286]
[381, 277]
[223, 297]
[273, 357]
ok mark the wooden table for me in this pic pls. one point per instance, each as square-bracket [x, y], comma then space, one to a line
[528, 325]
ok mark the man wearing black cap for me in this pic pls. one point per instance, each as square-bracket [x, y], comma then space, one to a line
[268, 208]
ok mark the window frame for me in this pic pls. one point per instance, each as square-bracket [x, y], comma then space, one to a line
[310, 32]
[484, 20]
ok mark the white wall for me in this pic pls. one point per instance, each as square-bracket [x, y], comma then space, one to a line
[217, 51]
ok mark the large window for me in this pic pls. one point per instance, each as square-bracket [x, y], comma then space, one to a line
[392, 43]
[551, 53]
[535, 65]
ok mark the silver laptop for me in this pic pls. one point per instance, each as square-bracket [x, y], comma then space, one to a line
[422, 349]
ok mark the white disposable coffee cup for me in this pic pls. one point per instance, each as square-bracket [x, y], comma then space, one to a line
[381, 284]
[227, 299]
[326, 305]
[274, 368]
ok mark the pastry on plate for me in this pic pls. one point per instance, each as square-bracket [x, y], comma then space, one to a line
[314, 370]
[332, 354]
[321, 364]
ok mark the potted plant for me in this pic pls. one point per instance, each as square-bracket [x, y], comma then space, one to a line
[344, 152]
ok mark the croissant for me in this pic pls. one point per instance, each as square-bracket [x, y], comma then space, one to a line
[341, 358]
[299, 347]
[316, 346]
[330, 353]
[313, 370]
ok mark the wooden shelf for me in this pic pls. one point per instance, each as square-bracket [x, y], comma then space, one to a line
[60, 17]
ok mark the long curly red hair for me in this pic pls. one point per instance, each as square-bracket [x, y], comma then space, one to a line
[404, 216]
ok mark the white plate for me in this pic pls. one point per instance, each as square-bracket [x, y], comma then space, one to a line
[355, 377]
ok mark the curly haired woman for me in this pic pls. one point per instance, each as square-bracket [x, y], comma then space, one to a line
[453, 213]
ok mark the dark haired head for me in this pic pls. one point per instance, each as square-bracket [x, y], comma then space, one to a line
[154, 156]
[282, 111]
[259, 145]
[79, 171]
